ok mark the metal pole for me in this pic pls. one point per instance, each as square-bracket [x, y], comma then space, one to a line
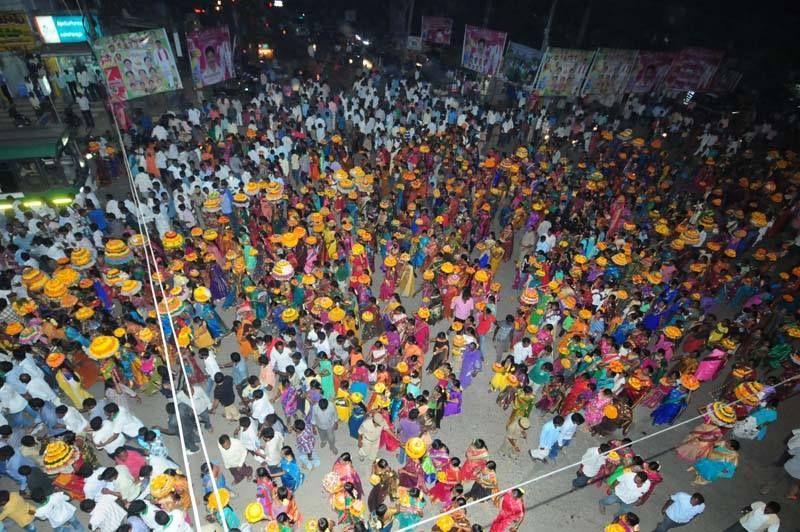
[487, 13]
[546, 37]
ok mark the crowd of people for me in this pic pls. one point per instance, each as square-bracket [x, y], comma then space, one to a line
[356, 239]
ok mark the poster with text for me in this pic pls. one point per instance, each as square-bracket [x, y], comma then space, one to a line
[521, 63]
[609, 72]
[562, 71]
[483, 50]
[437, 30]
[649, 71]
[143, 61]
[210, 56]
[693, 69]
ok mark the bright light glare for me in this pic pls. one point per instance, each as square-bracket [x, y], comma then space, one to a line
[62, 201]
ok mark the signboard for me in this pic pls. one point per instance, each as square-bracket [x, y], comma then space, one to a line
[521, 63]
[483, 50]
[693, 69]
[562, 72]
[609, 73]
[210, 56]
[437, 30]
[138, 64]
[56, 29]
[414, 43]
[15, 32]
[649, 71]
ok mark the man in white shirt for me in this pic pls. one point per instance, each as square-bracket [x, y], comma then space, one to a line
[57, 510]
[20, 414]
[273, 443]
[122, 420]
[37, 387]
[680, 509]
[106, 514]
[105, 437]
[591, 462]
[759, 517]
[280, 357]
[522, 350]
[261, 406]
[627, 490]
[72, 419]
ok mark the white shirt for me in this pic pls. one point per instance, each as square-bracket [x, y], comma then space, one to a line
[56, 509]
[568, 430]
[280, 360]
[126, 423]
[11, 400]
[107, 431]
[272, 449]
[74, 421]
[757, 521]
[592, 461]
[39, 388]
[627, 490]
[210, 365]
[262, 408]
[521, 353]
[107, 515]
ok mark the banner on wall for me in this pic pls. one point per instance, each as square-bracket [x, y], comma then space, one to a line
[15, 32]
[483, 50]
[210, 56]
[693, 69]
[609, 73]
[138, 64]
[521, 63]
[649, 71]
[562, 72]
[437, 30]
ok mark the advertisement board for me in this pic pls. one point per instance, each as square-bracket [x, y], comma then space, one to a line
[437, 30]
[15, 32]
[138, 64]
[56, 29]
[210, 56]
[483, 50]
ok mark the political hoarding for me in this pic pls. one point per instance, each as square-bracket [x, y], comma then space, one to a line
[483, 50]
[210, 56]
[649, 71]
[609, 73]
[562, 72]
[437, 30]
[521, 63]
[138, 64]
[693, 69]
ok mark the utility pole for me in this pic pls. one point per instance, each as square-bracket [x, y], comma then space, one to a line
[409, 20]
[584, 24]
[487, 13]
[546, 38]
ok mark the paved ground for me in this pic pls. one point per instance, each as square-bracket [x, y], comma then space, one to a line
[551, 502]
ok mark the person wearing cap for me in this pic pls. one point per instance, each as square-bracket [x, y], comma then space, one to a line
[680, 509]
[516, 434]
